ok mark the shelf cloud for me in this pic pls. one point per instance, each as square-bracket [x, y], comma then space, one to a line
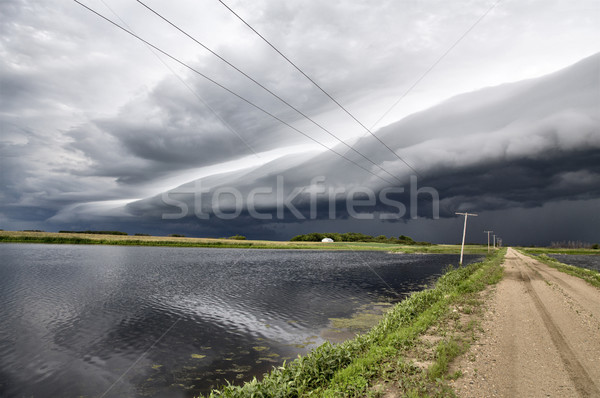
[497, 115]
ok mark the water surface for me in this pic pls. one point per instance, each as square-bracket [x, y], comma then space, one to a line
[589, 261]
[114, 321]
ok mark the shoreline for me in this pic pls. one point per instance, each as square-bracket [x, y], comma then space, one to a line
[380, 362]
[168, 241]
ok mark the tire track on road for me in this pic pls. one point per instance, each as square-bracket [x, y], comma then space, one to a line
[540, 337]
[578, 290]
[582, 380]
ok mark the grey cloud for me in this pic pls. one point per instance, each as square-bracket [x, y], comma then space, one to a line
[100, 119]
[506, 155]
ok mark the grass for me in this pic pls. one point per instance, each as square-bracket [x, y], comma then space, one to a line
[170, 241]
[359, 367]
[557, 250]
[441, 249]
[129, 240]
[590, 276]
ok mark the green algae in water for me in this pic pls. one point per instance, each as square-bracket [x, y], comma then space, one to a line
[267, 359]
[364, 319]
[240, 369]
[198, 356]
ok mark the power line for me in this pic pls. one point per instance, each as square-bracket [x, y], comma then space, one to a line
[395, 103]
[318, 86]
[228, 90]
[190, 89]
[264, 88]
[437, 61]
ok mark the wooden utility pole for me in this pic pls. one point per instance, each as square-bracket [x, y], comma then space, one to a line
[488, 232]
[462, 247]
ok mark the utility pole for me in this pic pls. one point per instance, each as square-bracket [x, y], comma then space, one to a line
[494, 241]
[488, 233]
[462, 247]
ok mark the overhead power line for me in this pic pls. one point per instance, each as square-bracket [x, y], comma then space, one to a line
[190, 89]
[437, 61]
[265, 88]
[229, 90]
[410, 88]
[368, 130]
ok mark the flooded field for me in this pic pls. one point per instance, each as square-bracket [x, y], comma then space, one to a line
[117, 321]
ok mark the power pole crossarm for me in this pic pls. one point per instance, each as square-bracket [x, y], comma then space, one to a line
[462, 247]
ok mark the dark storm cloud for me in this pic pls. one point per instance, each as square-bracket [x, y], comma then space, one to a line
[91, 120]
[515, 146]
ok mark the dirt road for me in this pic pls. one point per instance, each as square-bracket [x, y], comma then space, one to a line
[541, 337]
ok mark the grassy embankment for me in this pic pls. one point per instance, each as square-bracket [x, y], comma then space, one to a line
[590, 276]
[131, 240]
[384, 358]
[557, 250]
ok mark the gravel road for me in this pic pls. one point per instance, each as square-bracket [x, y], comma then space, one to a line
[541, 337]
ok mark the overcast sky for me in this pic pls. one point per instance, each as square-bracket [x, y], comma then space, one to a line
[94, 126]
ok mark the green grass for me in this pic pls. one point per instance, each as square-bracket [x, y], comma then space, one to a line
[353, 368]
[133, 242]
[445, 352]
[590, 276]
[441, 249]
[170, 241]
[550, 250]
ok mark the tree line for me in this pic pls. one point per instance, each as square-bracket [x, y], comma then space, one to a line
[357, 237]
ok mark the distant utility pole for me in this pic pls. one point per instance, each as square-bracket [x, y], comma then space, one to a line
[462, 247]
[494, 241]
[488, 232]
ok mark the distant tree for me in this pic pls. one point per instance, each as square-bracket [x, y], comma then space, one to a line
[312, 237]
[356, 237]
[571, 244]
[177, 236]
[139, 234]
[406, 240]
[237, 237]
[595, 246]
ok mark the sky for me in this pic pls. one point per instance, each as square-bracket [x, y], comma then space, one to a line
[494, 106]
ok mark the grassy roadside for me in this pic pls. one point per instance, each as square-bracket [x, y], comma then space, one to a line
[381, 361]
[130, 240]
[590, 276]
[440, 249]
[558, 250]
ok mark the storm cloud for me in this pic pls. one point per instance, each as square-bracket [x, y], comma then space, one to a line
[96, 129]
[517, 145]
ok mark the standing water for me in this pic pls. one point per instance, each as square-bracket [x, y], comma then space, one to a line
[111, 321]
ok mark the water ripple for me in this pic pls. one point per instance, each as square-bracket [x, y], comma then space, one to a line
[74, 318]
